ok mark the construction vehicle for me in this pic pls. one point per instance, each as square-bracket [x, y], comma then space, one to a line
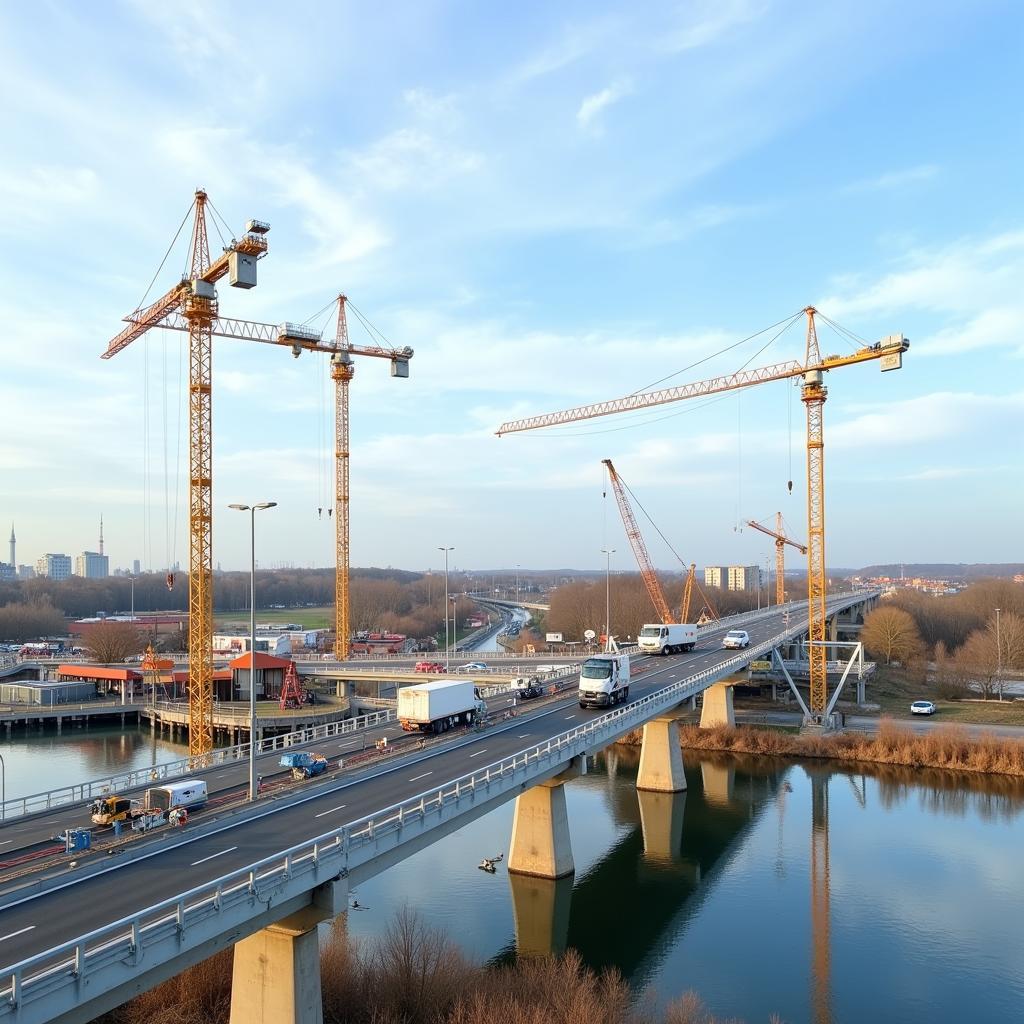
[666, 638]
[105, 810]
[889, 352]
[304, 764]
[527, 687]
[439, 706]
[604, 680]
[190, 793]
[781, 540]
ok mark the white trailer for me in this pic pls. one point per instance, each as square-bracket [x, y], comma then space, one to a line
[667, 638]
[439, 706]
[188, 793]
[604, 680]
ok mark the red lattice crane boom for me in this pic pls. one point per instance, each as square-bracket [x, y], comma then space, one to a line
[813, 394]
[781, 540]
[636, 542]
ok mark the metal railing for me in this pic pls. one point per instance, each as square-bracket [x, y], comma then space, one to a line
[109, 956]
[137, 777]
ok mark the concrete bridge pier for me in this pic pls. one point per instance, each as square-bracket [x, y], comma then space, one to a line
[718, 709]
[541, 846]
[661, 758]
[276, 975]
[540, 908]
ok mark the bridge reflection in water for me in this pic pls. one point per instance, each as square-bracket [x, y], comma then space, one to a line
[638, 896]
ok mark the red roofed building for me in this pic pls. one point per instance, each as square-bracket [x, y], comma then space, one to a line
[269, 675]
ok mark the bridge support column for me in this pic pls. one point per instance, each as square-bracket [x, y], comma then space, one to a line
[540, 829]
[717, 709]
[276, 976]
[661, 758]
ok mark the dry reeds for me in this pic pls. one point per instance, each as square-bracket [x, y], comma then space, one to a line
[948, 747]
[415, 975]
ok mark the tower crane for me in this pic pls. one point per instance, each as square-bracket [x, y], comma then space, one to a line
[813, 393]
[193, 300]
[300, 338]
[781, 540]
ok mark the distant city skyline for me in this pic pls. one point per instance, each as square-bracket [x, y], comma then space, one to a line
[552, 206]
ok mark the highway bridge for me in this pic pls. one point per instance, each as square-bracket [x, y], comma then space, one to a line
[88, 937]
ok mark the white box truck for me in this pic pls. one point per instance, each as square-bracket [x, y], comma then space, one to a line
[667, 638]
[604, 680]
[439, 706]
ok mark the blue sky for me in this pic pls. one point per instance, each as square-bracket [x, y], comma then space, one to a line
[552, 204]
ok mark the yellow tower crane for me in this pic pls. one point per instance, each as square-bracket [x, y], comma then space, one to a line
[301, 338]
[193, 301]
[781, 540]
[813, 394]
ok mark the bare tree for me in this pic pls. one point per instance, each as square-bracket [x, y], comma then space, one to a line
[891, 633]
[112, 642]
[978, 660]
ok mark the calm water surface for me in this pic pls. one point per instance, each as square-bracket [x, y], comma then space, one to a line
[918, 914]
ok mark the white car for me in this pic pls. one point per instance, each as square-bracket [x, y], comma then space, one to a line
[736, 638]
[922, 707]
[473, 666]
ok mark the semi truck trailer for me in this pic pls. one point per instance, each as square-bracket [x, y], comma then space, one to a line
[667, 638]
[439, 706]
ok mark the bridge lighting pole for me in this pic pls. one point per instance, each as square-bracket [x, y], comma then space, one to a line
[607, 552]
[447, 644]
[517, 586]
[252, 510]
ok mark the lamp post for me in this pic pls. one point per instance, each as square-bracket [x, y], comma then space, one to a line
[132, 581]
[607, 552]
[447, 645]
[252, 510]
[517, 586]
[3, 787]
[999, 659]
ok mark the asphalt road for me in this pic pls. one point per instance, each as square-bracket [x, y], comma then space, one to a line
[870, 724]
[49, 919]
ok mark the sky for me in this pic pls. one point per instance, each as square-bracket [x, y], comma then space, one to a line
[552, 204]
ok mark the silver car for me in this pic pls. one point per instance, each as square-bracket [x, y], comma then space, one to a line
[922, 707]
[736, 638]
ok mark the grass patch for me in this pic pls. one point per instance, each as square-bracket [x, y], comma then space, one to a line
[309, 618]
[894, 691]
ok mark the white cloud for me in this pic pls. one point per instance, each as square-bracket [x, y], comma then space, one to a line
[594, 105]
[894, 179]
[710, 24]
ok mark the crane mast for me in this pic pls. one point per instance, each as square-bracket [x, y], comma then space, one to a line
[684, 610]
[889, 352]
[636, 542]
[194, 302]
[781, 540]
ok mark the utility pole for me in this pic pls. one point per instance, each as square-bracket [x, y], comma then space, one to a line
[607, 552]
[447, 644]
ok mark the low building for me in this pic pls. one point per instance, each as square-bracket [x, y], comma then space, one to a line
[47, 694]
[276, 644]
[26, 572]
[269, 673]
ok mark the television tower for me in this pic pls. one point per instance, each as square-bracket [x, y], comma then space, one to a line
[13, 541]
[101, 533]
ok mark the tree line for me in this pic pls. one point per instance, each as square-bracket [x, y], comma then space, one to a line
[966, 640]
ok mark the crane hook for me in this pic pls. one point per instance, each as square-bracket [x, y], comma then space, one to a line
[170, 581]
[790, 485]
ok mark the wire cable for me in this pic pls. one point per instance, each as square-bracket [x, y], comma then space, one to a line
[164, 260]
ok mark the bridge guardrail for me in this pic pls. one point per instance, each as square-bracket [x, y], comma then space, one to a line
[109, 955]
[36, 803]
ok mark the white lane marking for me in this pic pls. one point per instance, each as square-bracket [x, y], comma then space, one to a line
[212, 855]
[478, 753]
[4, 938]
[522, 736]
[6, 841]
[331, 811]
[343, 746]
[569, 718]
[423, 776]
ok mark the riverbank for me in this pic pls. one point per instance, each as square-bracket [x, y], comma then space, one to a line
[947, 747]
[416, 975]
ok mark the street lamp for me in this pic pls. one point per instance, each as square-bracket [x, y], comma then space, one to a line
[252, 510]
[517, 586]
[607, 552]
[132, 580]
[446, 643]
[999, 659]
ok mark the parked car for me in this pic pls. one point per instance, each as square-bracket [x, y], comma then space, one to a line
[473, 666]
[922, 707]
[736, 638]
[429, 666]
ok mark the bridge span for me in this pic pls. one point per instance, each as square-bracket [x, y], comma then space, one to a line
[88, 938]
